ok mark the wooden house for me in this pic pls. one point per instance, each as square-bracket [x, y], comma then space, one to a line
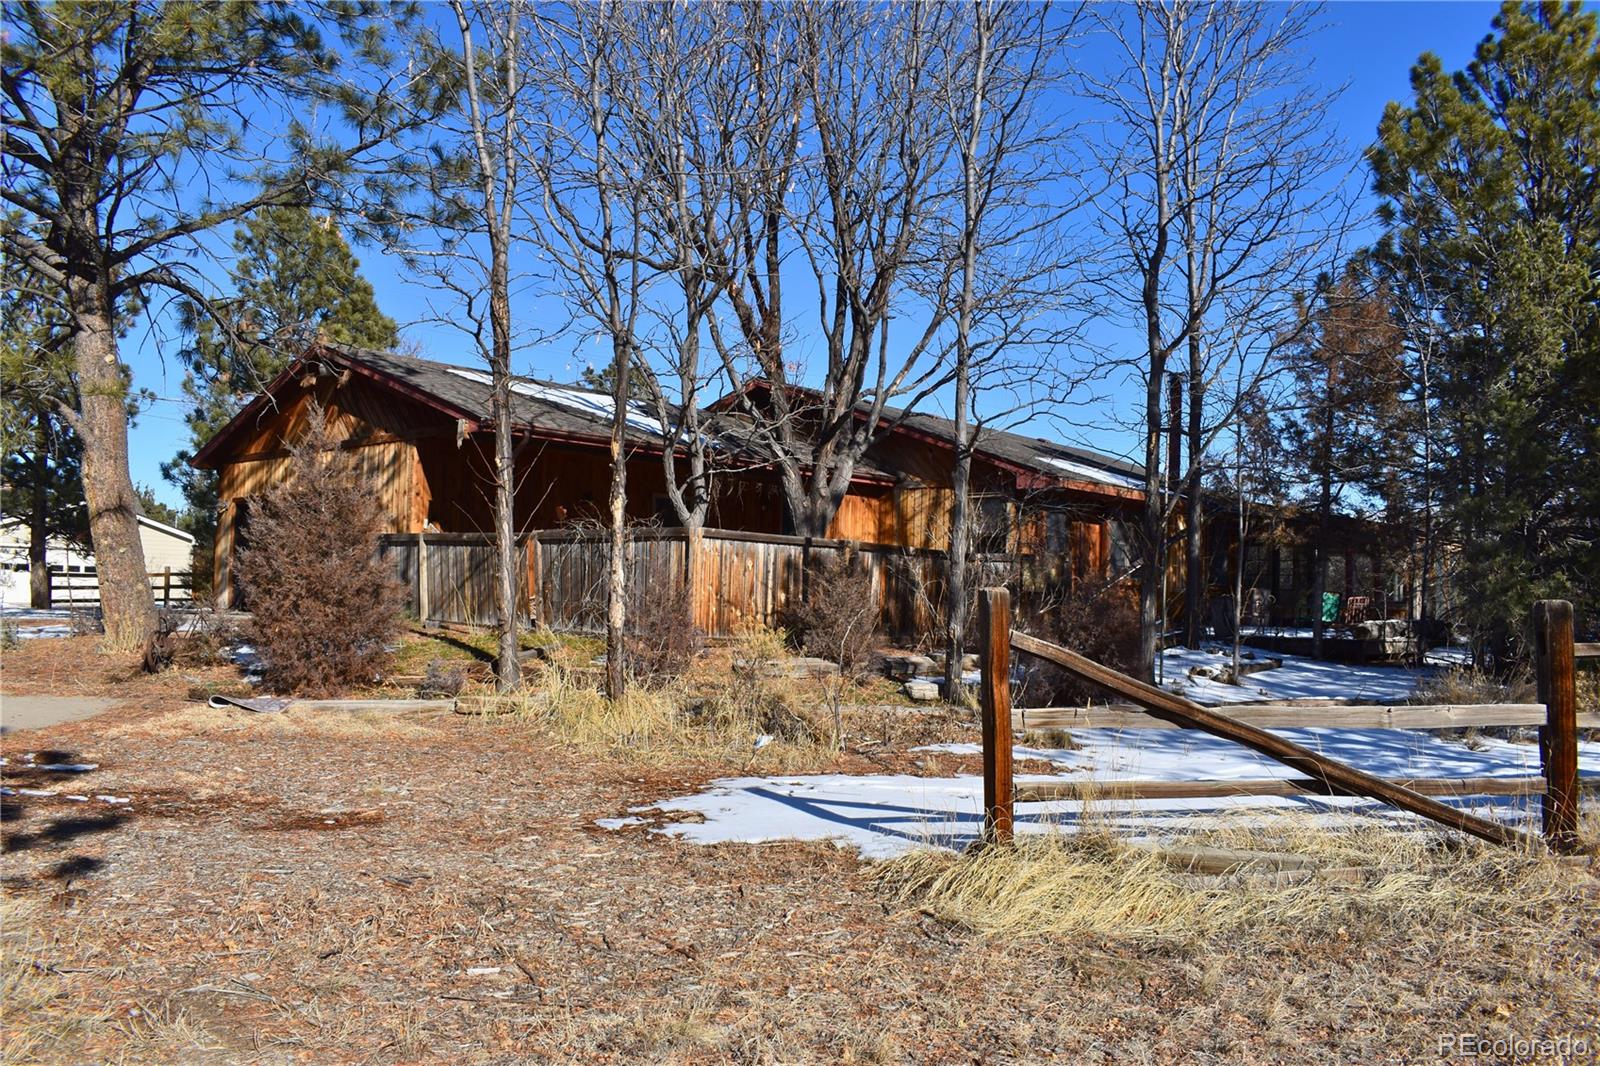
[421, 432]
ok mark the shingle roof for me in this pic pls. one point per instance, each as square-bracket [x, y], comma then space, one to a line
[556, 409]
[1046, 457]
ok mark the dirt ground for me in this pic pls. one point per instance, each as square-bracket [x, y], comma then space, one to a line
[238, 889]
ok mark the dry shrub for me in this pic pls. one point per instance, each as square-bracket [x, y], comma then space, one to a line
[662, 640]
[442, 679]
[838, 621]
[1092, 884]
[208, 639]
[1100, 621]
[324, 604]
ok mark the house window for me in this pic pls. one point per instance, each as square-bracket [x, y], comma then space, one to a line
[1125, 553]
[1057, 532]
[1255, 565]
[992, 535]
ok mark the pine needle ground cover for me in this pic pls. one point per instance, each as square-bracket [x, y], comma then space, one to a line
[233, 890]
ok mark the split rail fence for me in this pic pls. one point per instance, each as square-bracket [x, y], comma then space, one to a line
[1153, 708]
[733, 579]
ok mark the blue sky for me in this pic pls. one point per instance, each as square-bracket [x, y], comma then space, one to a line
[1367, 47]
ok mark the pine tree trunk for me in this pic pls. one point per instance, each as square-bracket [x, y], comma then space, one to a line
[126, 605]
[617, 583]
[39, 524]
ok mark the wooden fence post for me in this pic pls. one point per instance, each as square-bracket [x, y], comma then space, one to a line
[422, 579]
[49, 587]
[166, 587]
[535, 596]
[994, 621]
[1558, 739]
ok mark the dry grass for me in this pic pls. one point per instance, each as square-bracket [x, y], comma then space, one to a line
[1465, 685]
[1092, 884]
[758, 725]
[205, 720]
[37, 1014]
[728, 709]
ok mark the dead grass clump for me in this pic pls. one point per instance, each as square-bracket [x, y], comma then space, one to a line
[37, 1013]
[1463, 686]
[1061, 884]
[1588, 691]
[755, 722]
[442, 680]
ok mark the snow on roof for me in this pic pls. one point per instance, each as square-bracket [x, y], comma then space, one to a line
[1093, 473]
[596, 404]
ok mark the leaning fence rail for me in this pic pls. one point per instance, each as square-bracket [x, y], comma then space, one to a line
[1153, 708]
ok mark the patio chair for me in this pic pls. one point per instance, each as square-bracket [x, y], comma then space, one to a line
[1355, 610]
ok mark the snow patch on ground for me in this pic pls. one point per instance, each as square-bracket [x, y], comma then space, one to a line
[38, 632]
[1297, 678]
[884, 815]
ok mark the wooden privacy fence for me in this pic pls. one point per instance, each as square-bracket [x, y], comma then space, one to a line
[77, 587]
[1154, 708]
[448, 577]
[733, 579]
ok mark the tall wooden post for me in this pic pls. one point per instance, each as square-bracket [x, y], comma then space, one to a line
[1558, 740]
[222, 556]
[535, 590]
[994, 622]
[166, 586]
[422, 579]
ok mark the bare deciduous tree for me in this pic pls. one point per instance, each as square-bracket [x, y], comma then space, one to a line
[836, 155]
[591, 232]
[461, 237]
[1006, 155]
[1220, 165]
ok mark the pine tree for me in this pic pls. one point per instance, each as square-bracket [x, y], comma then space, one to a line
[1493, 242]
[1347, 378]
[298, 281]
[40, 469]
[325, 604]
[132, 131]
